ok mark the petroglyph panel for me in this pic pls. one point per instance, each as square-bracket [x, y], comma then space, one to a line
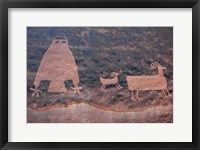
[115, 72]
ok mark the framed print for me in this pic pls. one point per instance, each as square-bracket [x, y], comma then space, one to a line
[110, 75]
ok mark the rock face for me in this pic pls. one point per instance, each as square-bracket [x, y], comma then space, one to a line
[84, 113]
[94, 51]
[57, 65]
[106, 49]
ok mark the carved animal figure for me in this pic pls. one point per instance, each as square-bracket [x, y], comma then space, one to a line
[110, 81]
[57, 65]
[144, 83]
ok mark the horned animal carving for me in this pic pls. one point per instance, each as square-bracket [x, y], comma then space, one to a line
[57, 65]
[144, 83]
[113, 80]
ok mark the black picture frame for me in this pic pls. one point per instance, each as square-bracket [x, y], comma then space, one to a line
[6, 4]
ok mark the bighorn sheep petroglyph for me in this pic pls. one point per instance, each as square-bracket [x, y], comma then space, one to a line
[144, 83]
[113, 80]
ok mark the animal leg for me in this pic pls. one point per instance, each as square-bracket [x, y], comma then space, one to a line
[164, 93]
[168, 92]
[137, 94]
[132, 95]
[103, 87]
[119, 85]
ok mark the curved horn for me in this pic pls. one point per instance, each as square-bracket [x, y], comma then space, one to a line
[155, 65]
